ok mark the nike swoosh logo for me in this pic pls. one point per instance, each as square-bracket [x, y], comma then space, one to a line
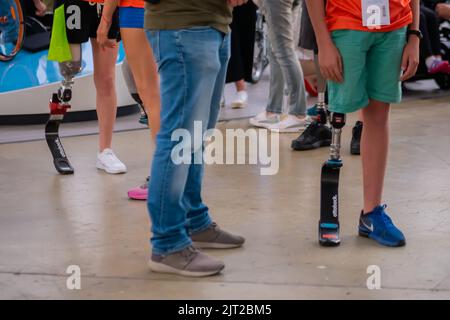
[368, 227]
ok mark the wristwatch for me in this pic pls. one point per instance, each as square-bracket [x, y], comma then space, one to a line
[416, 33]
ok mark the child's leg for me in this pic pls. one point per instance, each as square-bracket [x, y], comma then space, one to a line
[374, 152]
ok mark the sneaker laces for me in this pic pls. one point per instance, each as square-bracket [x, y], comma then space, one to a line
[311, 127]
[384, 217]
[189, 253]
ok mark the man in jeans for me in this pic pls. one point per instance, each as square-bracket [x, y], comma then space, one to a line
[285, 70]
[191, 45]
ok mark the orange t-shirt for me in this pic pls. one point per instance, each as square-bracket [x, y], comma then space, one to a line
[132, 3]
[347, 14]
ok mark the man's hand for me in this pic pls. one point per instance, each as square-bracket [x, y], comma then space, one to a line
[410, 60]
[102, 35]
[443, 10]
[41, 8]
[235, 3]
[330, 62]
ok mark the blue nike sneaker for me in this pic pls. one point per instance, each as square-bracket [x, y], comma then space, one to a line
[377, 225]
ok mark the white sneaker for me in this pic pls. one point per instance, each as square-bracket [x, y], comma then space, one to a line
[108, 161]
[240, 100]
[263, 120]
[290, 123]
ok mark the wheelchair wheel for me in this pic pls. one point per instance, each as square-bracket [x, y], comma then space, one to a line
[12, 29]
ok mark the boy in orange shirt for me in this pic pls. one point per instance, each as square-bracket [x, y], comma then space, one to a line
[366, 48]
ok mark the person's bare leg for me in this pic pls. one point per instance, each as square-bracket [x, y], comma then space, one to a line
[105, 84]
[374, 151]
[321, 81]
[240, 85]
[145, 73]
[308, 67]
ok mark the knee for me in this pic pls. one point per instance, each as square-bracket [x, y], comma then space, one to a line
[105, 83]
[284, 54]
[378, 117]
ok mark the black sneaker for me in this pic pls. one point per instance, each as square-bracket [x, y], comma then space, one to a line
[355, 145]
[316, 135]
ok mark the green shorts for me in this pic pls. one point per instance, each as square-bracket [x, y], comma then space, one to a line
[372, 69]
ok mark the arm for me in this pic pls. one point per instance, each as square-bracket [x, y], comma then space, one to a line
[41, 8]
[105, 23]
[410, 60]
[443, 10]
[330, 60]
[235, 3]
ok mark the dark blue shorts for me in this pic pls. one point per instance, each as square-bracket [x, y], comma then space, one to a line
[130, 17]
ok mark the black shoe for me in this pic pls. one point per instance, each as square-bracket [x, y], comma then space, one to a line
[316, 135]
[355, 145]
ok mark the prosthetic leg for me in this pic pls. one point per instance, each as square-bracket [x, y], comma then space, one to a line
[329, 190]
[317, 134]
[131, 85]
[59, 104]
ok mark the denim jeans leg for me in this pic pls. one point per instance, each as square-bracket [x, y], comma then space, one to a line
[280, 19]
[188, 67]
[198, 217]
[168, 180]
[277, 86]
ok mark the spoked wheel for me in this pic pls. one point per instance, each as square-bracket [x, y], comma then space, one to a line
[260, 60]
[12, 29]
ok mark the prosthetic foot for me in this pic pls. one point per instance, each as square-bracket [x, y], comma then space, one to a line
[59, 104]
[329, 190]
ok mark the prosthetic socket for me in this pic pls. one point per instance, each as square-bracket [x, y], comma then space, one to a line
[69, 69]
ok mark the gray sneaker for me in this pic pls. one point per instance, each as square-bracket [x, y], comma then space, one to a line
[188, 262]
[216, 238]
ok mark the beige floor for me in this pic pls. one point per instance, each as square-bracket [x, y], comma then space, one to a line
[48, 222]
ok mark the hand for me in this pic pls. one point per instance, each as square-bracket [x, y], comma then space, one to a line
[102, 35]
[443, 10]
[330, 62]
[410, 60]
[41, 8]
[235, 3]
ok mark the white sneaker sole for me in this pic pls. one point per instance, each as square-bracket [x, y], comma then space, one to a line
[212, 245]
[288, 130]
[259, 124]
[238, 105]
[163, 268]
[100, 166]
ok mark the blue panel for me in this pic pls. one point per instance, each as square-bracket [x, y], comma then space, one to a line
[29, 70]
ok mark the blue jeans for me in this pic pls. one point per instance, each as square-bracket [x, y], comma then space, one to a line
[192, 65]
[285, 70]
